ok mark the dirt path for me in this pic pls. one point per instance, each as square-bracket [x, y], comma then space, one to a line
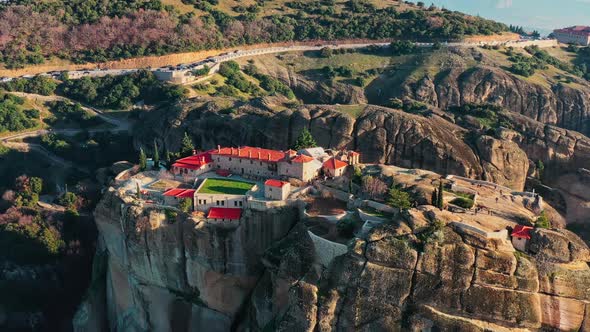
[13, 141]
[121, 125]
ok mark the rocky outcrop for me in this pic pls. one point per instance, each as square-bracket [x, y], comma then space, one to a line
[573, 189]
[560, 105]
[561, 150]
[503, 162]
[181, 274]
[388, 284]
[381, 135]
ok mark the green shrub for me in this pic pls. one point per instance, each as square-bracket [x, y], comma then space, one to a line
[170, 215]
[463, 202]
[185, 205]
[399, 199]
[543, 221]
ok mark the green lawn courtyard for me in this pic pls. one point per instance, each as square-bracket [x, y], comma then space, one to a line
[225, 186]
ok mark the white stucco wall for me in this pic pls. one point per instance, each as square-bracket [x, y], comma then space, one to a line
[204, 202]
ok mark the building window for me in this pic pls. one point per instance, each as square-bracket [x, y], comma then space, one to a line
[269, 189]
[235, 203]
[199, 202]
[240, 203]
[251, 162]
[222, 203]
[217, 203]
[229, 158]
[240, 161]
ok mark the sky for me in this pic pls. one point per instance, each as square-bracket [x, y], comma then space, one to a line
[542, 15]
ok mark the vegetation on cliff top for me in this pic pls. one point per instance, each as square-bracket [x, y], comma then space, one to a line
[83, 30]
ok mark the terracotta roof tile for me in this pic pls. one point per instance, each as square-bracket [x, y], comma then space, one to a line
[275, 183]
[521, 231]
[224, 213]
[334, 163]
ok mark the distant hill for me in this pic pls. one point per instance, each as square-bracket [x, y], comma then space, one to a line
[31, 31]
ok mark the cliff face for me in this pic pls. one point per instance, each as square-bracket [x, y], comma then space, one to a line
[456, 281]
[382, 135]
[180, 275]
[263, 273]
[561, 105]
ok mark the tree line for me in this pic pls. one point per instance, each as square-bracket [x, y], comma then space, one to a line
[98, 30]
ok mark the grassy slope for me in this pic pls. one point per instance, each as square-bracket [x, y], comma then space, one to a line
[269, 8]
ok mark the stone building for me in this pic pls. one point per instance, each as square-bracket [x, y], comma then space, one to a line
[221, 193]
[579, 35]
[194, 165]
[173, 196]
[334, 167]
[276, 190]
[260, 163]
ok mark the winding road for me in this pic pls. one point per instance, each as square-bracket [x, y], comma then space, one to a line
[187, 68]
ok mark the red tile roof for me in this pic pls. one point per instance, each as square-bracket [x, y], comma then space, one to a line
[522, 232]
[248, 152]
[194, 162]
[224, 213]
[303, 159]
[275, 183]
[334, 163]
[576, 30]
[190, 193]
[180, 192]
[173, 192]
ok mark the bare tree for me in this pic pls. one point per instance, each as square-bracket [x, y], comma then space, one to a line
[374, 187]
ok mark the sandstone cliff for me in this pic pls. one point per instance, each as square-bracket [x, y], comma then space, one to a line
[263, 273]
[382, 135]
[453, 282]
[178, 275]
[472, 77]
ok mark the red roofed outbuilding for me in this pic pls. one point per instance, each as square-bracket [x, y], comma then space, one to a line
[276, 190]
[520, 236]
[334, 167]
[193, 165]
[174, 195]
[224, 214]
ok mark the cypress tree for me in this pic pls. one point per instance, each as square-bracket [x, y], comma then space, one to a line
[440, 196]
[156, 157]
[434, 198]
[167, 159]
[304, 141]
[142, 160]
[187, 147]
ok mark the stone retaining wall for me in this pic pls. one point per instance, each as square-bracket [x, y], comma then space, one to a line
[326, 250]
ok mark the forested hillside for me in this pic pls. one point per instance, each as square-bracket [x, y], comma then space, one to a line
[97, 30]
